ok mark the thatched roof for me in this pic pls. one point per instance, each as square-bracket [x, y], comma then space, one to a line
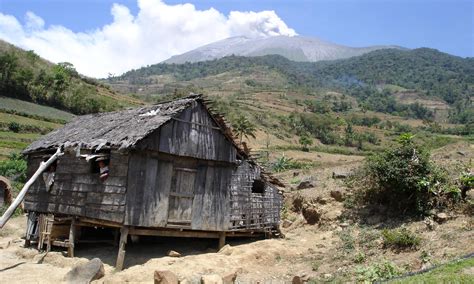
[119, 129]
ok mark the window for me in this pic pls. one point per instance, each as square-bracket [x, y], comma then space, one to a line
[258, 186]
[100, 166]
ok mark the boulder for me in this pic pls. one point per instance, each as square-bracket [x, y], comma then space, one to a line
[165, 277]
[311, 215]
[173, 253]
[229, 278]
[305, 184]
[340, 175]
[86, 272]
[298, 201]
[286, 223]
[441, 217]
[337, 195]
[297, 280]
[211, 279]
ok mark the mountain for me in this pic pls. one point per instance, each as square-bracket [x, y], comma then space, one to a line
[387, 80]
[296, 48]
[26, 76]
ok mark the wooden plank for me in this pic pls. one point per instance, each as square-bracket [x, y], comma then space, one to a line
[121, 251]
[105, 198]
[173, 233]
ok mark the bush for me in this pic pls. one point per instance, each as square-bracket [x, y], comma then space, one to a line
[14, 127]
[377, 272]
[283, 164]
[400, 239]
[403, 178]
[14, 167]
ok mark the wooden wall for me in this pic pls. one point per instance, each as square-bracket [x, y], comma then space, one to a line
[250, 210]
[179, 192]
[77, 191]
[192, 134]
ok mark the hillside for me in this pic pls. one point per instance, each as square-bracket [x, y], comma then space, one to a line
[26, 76]
[421, 83]
[37, 96]
[296, 48]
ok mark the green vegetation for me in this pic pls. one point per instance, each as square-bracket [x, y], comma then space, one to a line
[283, 164]
[14, 167]
[377, 272]
[404, 179]
[449, 273]
[25, 76]
[243, 127]
[400, 239]
[426, 71]
[32, 110]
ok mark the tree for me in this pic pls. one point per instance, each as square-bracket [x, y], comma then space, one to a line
[305, 142]
[243, 127]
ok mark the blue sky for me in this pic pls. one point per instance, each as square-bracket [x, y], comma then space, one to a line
[447, 25]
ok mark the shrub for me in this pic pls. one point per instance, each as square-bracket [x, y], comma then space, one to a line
[400, 239]
[283, 164]
[14, 167]
[403, 178]
[377, 272]
[14, 127]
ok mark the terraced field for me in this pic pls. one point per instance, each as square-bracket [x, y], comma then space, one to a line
[9, 104]
[23, 122]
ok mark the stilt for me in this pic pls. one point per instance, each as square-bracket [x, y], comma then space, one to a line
[221, 240]
[121, 250]
[72, 237]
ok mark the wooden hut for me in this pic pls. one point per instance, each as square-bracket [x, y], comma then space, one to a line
[171, 169]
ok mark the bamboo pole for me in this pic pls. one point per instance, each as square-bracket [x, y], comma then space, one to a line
[43, 166]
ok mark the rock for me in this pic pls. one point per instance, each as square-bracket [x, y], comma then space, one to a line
[211, 279]
[430, 224]
[297, 280]
[305, 184]
[441, 217]
[85, 273]
[337, 195]
[333, 214]
[173, 253]
[165, 277]
[340, 175]
[184, 281]
[322, 200]
[311, 215]
[295, 174]
[298, 201]
[230, 277]
[344, 225]
[462, 153]
[327, 276]
[227, 250]
[286, 223]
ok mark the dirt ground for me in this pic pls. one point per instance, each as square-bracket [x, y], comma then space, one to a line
[328, 251]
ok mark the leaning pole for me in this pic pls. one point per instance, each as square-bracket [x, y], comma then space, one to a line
[43, 166]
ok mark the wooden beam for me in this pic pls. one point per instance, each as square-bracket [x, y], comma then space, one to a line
[121, 251]
[221, 240]
[43, 166]
[72, 236]
[88, 222]
[174, 233]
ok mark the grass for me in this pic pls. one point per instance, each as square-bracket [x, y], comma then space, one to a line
[33, 109]
[6, 118]
[450, 273]
[400, 239]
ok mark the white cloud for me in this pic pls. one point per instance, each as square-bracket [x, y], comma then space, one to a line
[157, 32]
